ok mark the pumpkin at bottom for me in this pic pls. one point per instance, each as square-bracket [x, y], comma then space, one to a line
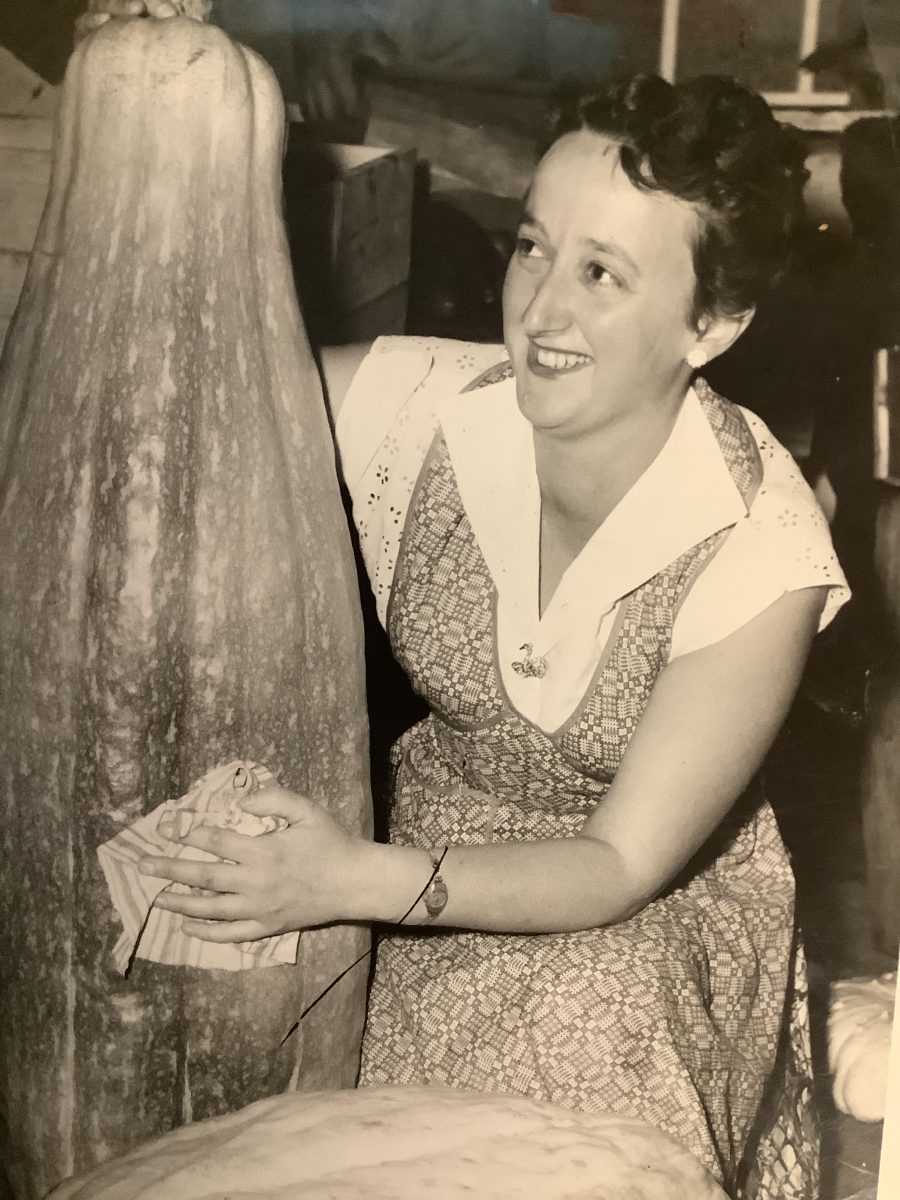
[400, 1143]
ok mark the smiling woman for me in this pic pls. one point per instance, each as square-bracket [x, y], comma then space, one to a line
[604, 581]
[593, 325]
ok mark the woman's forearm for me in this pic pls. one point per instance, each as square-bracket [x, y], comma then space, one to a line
[511, 887]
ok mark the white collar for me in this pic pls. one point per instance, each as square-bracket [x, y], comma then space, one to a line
[684, 496]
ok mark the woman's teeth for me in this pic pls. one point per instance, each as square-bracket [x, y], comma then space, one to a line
[560, 360]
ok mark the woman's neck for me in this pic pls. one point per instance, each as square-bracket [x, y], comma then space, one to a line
[582, 479]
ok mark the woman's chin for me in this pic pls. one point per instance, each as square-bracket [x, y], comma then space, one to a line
[548, 401]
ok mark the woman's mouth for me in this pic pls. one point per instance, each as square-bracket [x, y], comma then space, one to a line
[550, 363]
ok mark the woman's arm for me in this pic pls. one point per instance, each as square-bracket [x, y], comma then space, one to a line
[709, 722]
[711, 718]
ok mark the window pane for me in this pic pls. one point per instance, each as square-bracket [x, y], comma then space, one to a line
[757, 41]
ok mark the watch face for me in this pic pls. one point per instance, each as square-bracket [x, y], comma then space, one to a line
[437, 897]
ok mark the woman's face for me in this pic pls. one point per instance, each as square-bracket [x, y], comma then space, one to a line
[598, 293]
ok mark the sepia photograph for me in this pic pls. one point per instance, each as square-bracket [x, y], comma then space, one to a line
[449, 599]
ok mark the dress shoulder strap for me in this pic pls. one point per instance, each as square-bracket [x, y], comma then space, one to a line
[735, 438]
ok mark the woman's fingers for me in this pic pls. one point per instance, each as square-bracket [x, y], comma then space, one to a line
[224, 843]
[272, 883]
[224, 931]
[279, 802]
[211, 877]
[224, 907]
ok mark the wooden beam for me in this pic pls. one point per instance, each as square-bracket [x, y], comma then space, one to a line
[668, 42]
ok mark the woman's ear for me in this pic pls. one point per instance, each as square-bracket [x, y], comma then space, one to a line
[715, 335]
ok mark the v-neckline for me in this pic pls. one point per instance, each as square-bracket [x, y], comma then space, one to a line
[491, 447]
[509, 707]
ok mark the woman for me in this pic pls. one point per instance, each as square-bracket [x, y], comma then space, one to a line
[605, 583]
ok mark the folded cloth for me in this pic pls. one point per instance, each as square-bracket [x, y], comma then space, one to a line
[157, 935]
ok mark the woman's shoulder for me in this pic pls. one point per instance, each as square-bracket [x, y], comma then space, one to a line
[785, 505]
[384, 429]
[782, 544]
[396, 384]
[393, 355]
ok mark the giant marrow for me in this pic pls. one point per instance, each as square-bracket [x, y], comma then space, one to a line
[177, 590]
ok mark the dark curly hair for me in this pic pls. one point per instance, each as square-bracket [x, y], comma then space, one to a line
[717, 145]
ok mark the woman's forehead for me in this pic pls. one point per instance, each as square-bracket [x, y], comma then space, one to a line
[580, 188]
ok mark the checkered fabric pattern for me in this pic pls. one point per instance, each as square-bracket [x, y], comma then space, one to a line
[690, 1014]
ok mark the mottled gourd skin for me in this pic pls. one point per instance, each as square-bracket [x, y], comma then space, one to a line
[176, 590]
[405, 1143]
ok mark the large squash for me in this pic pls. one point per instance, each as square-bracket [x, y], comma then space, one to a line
[176, 590]
[860, 1021]
[405, 1143]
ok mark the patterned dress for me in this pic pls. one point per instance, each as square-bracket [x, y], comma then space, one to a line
[692, 1013]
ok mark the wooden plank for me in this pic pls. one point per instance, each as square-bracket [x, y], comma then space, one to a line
[491, 155]
[807, 100]
[824, 120]
[26, 133]
[22, 91]
[24, 179]
[13, 265]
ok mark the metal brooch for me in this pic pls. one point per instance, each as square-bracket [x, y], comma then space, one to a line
[531, 666]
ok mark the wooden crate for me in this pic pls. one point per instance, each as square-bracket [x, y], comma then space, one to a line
[349, 215]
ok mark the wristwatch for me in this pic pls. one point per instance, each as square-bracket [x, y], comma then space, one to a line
[436, 894]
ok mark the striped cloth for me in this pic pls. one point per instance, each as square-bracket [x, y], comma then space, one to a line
[157, 935]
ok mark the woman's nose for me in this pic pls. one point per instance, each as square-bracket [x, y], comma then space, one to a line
[548, 309]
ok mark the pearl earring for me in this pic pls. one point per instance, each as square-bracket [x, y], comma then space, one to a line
[696, 358]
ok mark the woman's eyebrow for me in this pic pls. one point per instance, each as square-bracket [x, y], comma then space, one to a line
[616, 251]
[612, 249]
[528, 218]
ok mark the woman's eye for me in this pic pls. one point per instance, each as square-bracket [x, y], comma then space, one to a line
[527, 247]
[597, 274]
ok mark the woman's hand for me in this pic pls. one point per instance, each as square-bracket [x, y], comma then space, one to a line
[274, 883]
[100, 11]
